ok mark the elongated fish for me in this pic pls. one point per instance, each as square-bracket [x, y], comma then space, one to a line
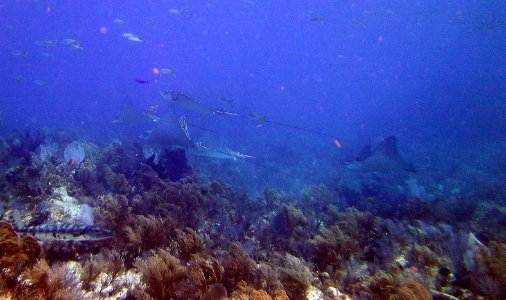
[62, 232]
[67, 232]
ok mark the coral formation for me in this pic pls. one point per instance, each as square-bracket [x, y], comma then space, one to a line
[162, 273]
[45, 282]
[16, 255]
[246, 292]
[238, 267]
[178, 237]
[386, 286]
[294, 276]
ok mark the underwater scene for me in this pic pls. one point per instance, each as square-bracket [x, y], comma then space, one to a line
[252, 149]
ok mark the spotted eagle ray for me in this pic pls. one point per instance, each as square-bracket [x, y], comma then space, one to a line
[130, 115]
[186, 102]
[171, 130]
[385, 158]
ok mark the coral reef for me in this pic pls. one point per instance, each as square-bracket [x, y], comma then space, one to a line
[60, 207]
[215, 292]
[16, 255]
[295, 277]
[180, 238]
[45, 282]
[246, 292]
[238, 267]
[386, 286]
[165, 276]
[23, 144]
[48, 151]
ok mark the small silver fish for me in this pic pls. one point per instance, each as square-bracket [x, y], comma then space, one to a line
[318, 20]
[19, 78]
[118, 21]
[40, 83]
[167, 71]
[48, 43]
[19, 53]
[175, 11]
[132, 37]
[76, 46]
[261, 118]
[69, 41]
[135, 39]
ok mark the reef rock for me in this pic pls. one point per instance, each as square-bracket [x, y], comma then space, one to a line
[333, 293]
[491, 216]
[313, 293]
[63, 208]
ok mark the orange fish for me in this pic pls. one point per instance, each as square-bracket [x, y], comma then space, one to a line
[72, 163]
[413, 268]
[337, 143]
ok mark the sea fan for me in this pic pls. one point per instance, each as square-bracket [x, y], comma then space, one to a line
[48, 150]
[74, 151]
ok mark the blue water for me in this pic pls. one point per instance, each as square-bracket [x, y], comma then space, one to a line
[430, 73]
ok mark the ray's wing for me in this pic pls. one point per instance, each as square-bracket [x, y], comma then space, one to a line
[186, 102]
[171, 130]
